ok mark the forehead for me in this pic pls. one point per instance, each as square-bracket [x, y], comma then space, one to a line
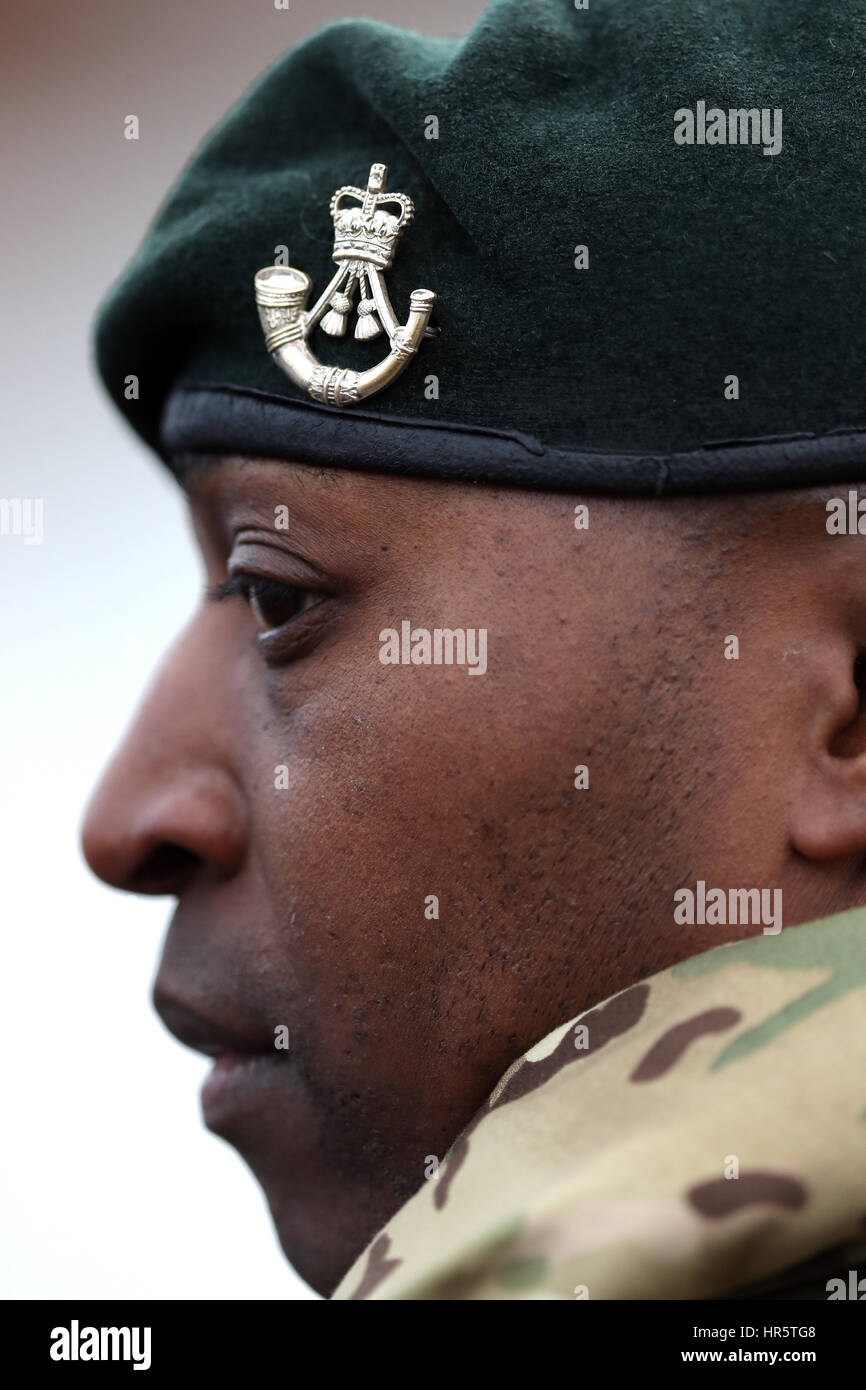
[789, 521]
[225, 484]
[342, 514]
[201, 473]
[220, 481]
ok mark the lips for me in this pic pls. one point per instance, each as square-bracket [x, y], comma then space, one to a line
[203, 1034]
[238, 1084]
[247, 1066]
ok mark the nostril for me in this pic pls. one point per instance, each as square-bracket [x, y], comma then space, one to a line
[166, 869]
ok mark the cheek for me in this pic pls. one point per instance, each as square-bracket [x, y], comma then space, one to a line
[399, 854]
[413, 791]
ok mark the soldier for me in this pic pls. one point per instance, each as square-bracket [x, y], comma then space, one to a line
[433, 351]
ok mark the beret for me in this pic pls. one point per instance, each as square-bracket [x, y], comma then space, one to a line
[643, 223]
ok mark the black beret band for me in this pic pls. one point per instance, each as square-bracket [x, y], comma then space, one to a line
[225, 420]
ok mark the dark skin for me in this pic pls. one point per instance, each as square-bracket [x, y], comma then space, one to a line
[305, 906]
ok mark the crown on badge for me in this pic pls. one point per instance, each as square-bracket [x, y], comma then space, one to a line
[363, 236]
[368, 233]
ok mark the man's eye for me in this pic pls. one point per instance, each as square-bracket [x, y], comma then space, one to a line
[272, 604]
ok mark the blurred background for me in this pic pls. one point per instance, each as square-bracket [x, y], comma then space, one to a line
[111, 1188]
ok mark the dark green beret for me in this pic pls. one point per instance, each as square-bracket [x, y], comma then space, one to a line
[644, 225]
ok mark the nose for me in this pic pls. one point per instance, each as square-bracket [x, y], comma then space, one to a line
[169, 806]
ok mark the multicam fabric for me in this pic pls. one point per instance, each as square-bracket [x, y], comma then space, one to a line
[700, 1135]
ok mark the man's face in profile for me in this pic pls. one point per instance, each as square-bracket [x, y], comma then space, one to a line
[393, 862]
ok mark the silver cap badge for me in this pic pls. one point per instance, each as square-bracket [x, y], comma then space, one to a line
[365, 238]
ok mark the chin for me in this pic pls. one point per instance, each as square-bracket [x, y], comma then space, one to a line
[317, 1241]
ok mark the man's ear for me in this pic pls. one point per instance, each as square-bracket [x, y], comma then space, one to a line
[828, 814]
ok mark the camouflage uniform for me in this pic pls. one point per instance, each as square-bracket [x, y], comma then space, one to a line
[700, 1135]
